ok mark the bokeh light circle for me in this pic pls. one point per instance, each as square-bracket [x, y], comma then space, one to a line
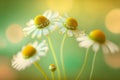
[112, 60]
[112, 21]
[14, 33]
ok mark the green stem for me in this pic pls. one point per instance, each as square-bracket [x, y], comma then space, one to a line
[41, 70]
[84, 64]
[52, 73]
[61, 56]
[54, 56]
[93, 62]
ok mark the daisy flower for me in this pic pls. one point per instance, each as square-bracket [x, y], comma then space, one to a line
[52, 68]
[42, 24]
[29, 54]
[96, 38]
[68, 25]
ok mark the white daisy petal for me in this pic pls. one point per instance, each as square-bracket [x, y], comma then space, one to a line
[52, 28]
[28, 28]
[86, 43]
[43, 49]
[114, 46]
[35, 44]
[48, 14]
[29, 32]
[63, 30]
[95, 47]
[105, 49]
[45, 32]
[30, 23]
[69, 33]
[42, 44]
[55, 15]
[39, 34]
[35, 33]
[82, 38]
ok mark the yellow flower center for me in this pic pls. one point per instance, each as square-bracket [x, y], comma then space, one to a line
[71, 24]
[41, 21]
[98, 36]
[28, 51]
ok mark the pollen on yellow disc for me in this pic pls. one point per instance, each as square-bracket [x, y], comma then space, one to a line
[71, 23]
[112, 21]
[40, 20]
[97, 35]
[28, 51]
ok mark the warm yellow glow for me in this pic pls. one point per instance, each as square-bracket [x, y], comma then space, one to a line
[28, 51]
[97, 35]
[113, 21]
[112, 60]
[60, 5]
[14, 33]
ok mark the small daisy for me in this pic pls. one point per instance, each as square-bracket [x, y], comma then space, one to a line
[42, 24]
[68, 25]
[97, 38]
[52, 68]
[29, 54]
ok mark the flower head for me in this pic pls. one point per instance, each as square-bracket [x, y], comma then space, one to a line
[29, 54]
[42, 24]
[68, 25]
[97, 38]
[52, 67]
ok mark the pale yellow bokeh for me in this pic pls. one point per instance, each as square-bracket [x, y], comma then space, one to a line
[62, 6]
[113, 21]
[112, 60]
[14, 33]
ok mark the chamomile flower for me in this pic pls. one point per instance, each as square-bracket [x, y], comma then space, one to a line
[29, 54]
[52, 67]
[42, 24]
[97, 38]
[68, 25]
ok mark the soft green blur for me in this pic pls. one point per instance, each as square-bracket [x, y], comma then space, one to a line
[90, 15]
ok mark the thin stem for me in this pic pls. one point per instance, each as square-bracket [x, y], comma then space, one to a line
[41, 70]
[52, 73]
[61, 56]
[93, 62]
[84, 64]
[54, 56]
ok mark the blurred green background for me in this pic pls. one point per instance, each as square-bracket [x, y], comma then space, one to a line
[90, 14]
